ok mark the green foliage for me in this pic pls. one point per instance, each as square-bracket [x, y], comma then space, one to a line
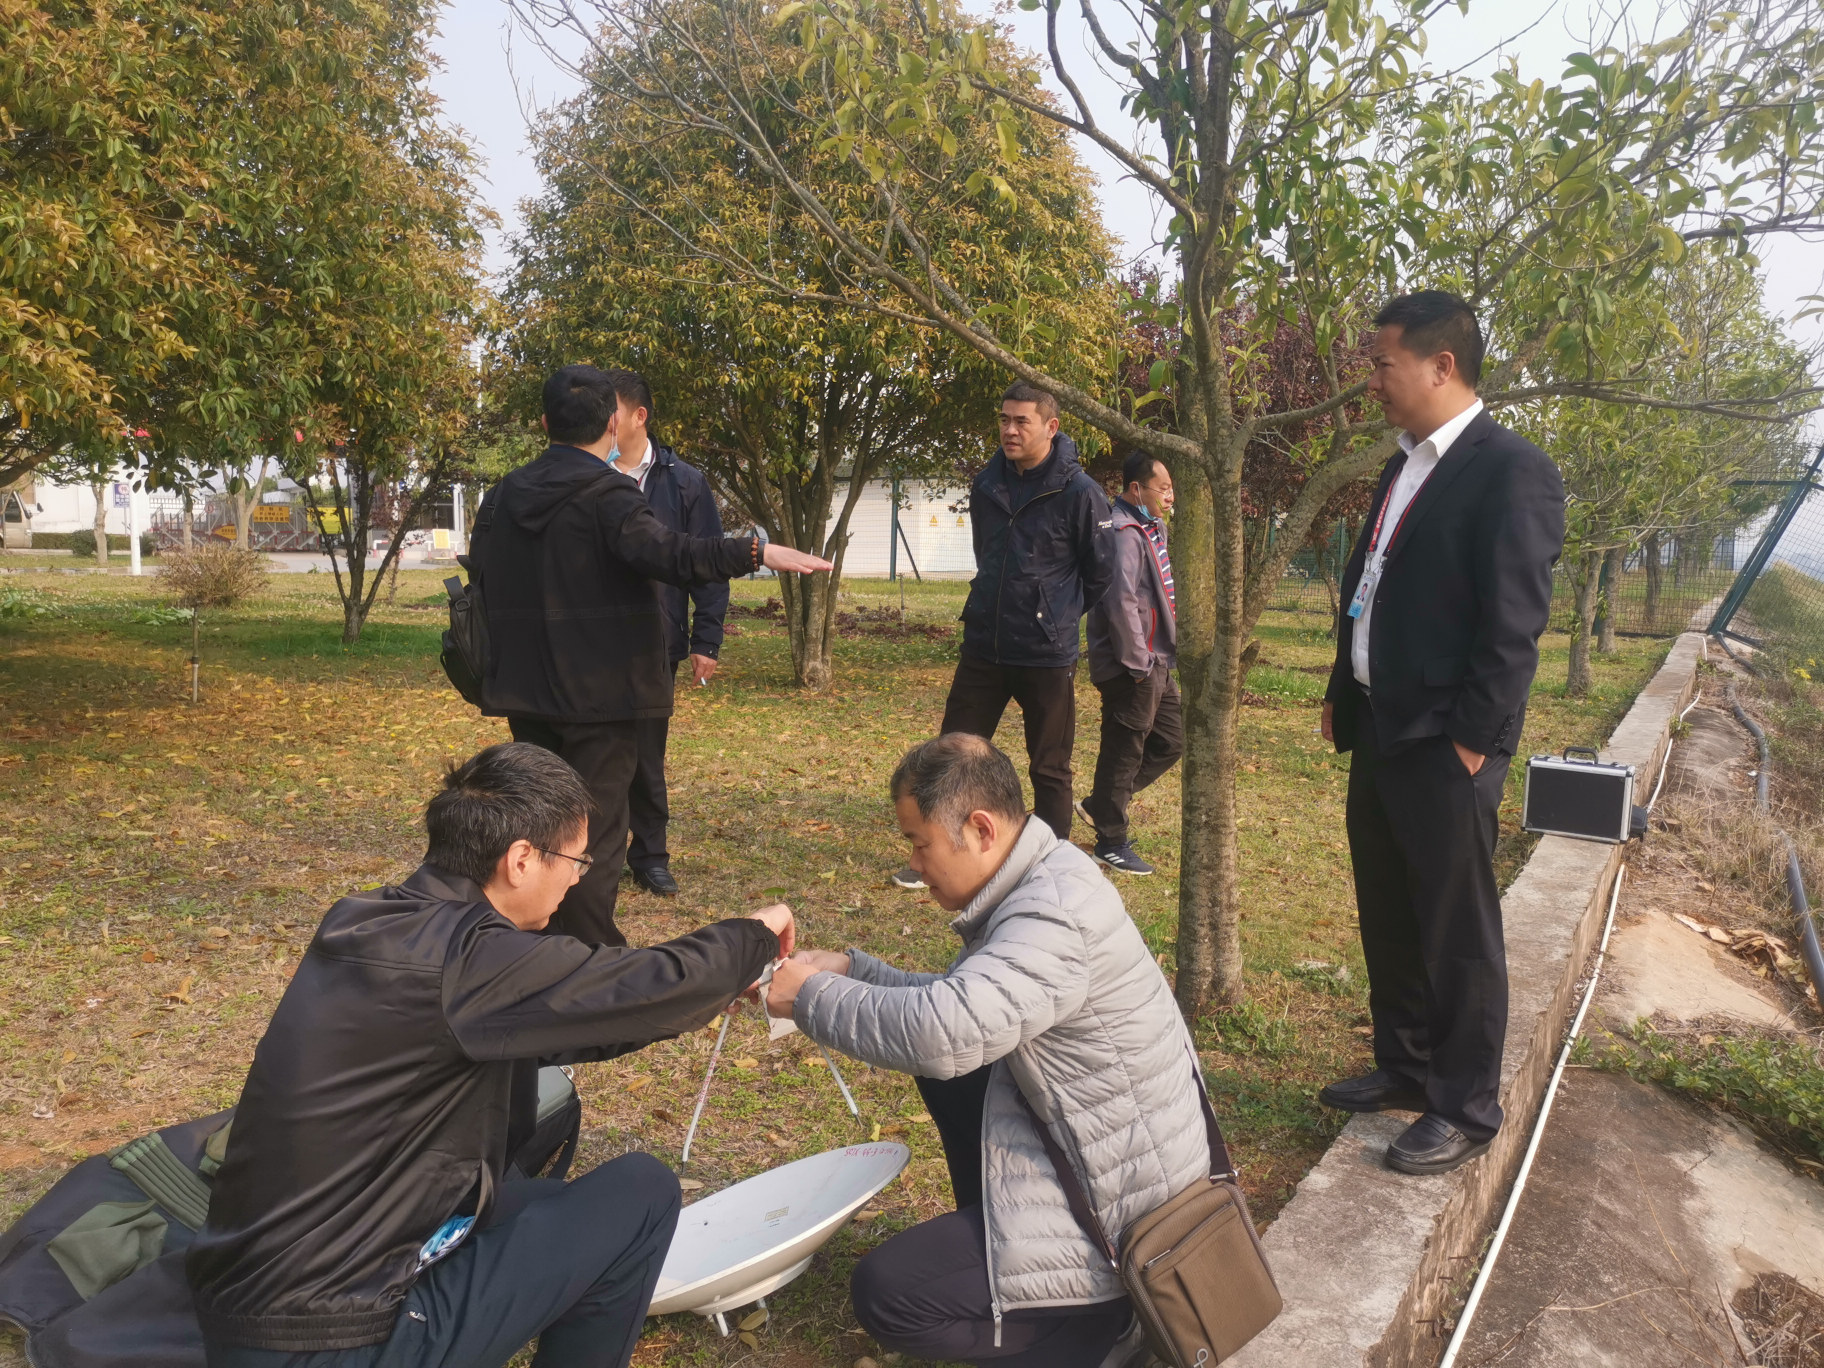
[1776, 1085]
[17, 601]
[774, 384]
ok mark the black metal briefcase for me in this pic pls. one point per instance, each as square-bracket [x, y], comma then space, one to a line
[1585, 797]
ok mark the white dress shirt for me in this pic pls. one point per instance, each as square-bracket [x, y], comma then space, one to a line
[639, 472]
[1421, 459]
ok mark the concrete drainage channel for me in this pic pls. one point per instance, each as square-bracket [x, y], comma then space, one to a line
[1369, 1260]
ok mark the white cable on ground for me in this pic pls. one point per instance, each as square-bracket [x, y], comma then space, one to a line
[1532, 1148]
[1665, 764]
[1551, 1091]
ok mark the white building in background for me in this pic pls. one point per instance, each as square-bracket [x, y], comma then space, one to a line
[48, 507]
[935, 533]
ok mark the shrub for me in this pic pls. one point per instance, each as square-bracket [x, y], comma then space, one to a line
[82, 543]
[213, 575]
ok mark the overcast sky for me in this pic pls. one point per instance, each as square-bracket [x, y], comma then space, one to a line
[491, 74]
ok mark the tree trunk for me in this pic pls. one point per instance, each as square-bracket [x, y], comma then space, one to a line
[810, 617]
[244, 503]
[189, 519]
[100, 490]
[1207, 524]
[1611, 594]
[1578, 680]
[1649, 553]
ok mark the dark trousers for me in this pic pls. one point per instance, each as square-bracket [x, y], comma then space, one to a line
[648, 806]
[605, 755]
[570, 1264]
[925, 1291]
[1422, 841]
[1047, 696]
[1142, 738]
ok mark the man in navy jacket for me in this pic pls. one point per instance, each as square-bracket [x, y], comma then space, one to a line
[1044, 554]
[680, 498]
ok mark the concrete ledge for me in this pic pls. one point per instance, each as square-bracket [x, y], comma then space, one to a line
[1368, 1259]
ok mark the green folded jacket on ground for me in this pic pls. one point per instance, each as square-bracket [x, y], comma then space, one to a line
[108, 1242]
[158, 1173]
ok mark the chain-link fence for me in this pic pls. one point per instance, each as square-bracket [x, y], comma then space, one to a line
[1776, 602]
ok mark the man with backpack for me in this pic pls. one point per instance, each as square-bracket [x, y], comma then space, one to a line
[566, 551]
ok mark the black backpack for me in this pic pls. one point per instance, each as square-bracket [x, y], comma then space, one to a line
[465, 645]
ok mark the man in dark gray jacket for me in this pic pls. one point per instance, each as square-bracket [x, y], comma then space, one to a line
[1133, 645]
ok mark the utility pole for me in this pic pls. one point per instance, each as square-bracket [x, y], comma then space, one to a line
[133, 567]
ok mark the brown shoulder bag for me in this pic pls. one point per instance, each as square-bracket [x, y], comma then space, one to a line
[1193, 1267]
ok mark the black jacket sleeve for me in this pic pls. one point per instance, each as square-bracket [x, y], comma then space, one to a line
[709, 602]
[509, 994]
[1517, 544]
[1094, 533]
[632, 533]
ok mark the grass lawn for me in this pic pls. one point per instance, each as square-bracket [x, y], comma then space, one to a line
[163, 866]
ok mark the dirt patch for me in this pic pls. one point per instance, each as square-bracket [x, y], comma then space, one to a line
[1784, 1320]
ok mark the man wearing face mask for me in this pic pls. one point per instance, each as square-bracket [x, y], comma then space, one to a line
[567, 552]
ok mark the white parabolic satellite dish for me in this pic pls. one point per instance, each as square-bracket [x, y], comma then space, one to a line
[735, 1246]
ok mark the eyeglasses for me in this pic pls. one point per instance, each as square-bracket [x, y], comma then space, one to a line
[582, 861]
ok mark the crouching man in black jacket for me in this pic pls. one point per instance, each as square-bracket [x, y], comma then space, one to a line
[360, 1219]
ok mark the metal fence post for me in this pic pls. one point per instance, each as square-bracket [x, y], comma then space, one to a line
[1764, 549]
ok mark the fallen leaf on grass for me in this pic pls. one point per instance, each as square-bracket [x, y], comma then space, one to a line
[923, 1118]
[1362, 1030]
[774, 1139]
[815, 1062]
[689, 1185]
[755, 1320]
[747, 1063]
[865, 1215]
[875, 1133]
[182, 993]
[891, 1130]
[748, 1338]
[148, 958]
[635, 1084]
[660, 1114]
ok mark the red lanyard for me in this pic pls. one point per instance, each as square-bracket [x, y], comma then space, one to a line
[1374, 539]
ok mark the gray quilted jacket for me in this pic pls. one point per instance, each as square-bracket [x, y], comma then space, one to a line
[1055, 988]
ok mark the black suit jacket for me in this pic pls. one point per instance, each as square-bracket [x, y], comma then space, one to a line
[680, 497]
[1462, 600]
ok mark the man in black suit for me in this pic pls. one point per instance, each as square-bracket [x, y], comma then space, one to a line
[1445, 597]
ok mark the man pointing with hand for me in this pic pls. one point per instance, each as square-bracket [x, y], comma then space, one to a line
[1445, 598]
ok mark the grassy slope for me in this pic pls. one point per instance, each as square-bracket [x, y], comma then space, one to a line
[162, 868]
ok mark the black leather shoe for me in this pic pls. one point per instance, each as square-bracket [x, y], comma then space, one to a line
[656, 879]
[1374, 1092]
[1432, 1145]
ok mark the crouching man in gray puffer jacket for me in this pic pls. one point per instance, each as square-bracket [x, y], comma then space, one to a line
[1054, 995]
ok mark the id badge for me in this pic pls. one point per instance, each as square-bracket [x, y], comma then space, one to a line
[1362, 591]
